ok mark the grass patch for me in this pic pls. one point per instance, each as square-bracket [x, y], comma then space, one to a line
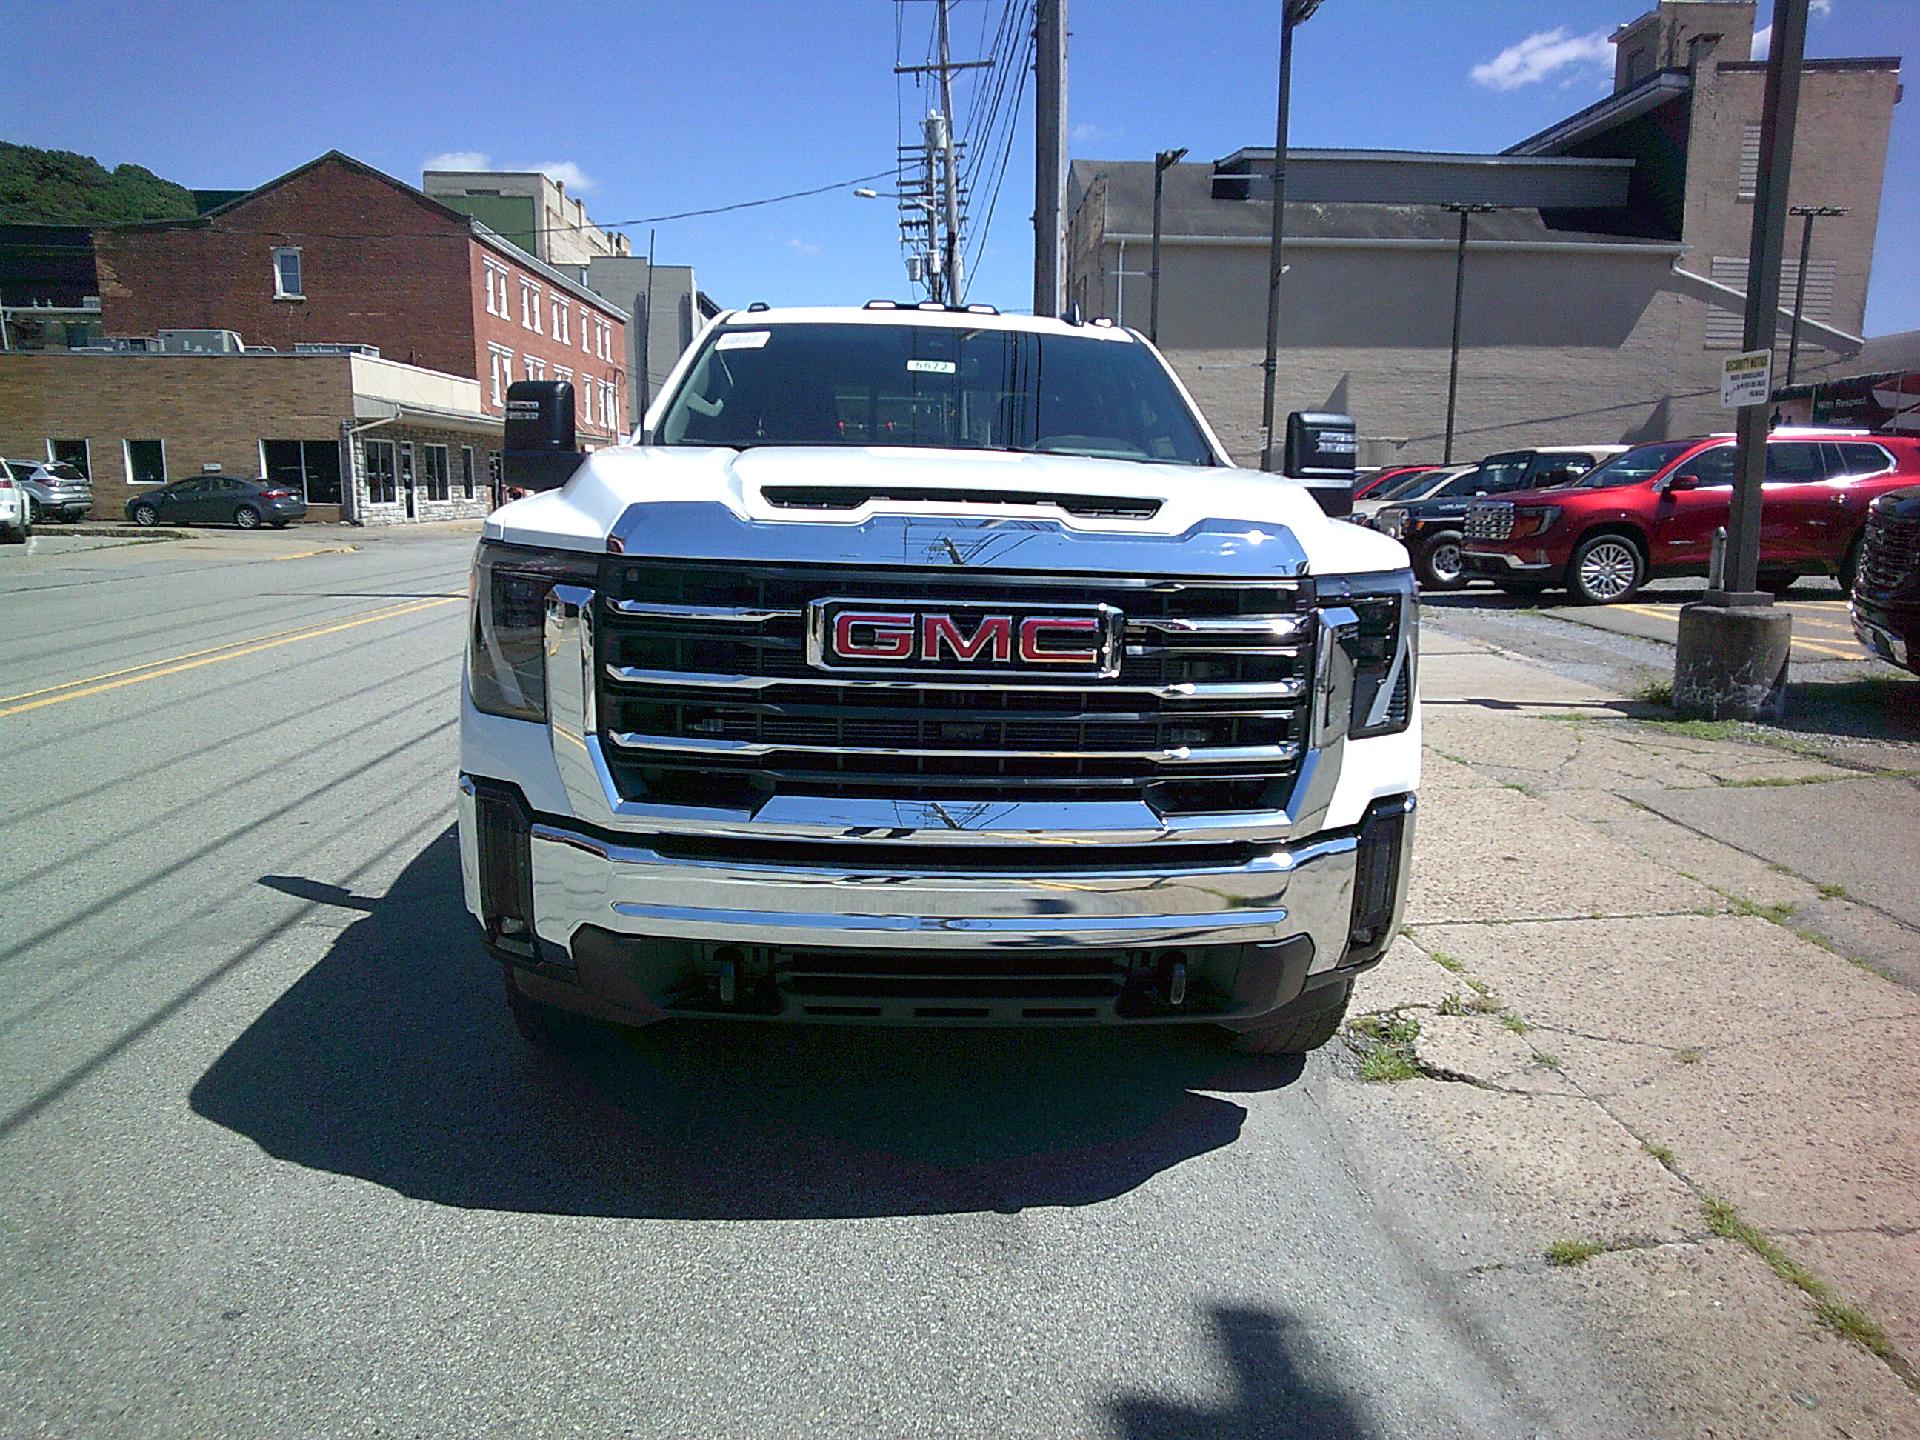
[1386, 1029]
[1778, 914]
[1654, 692]
[1838, 1316]
[1453, 1005]
[1574, 1252]
[1829, 891]
[1446, 961]
[1552, 1062]
[1689, 1055]
[1523, 788]
[1697, 729]
[1658, 1152]
[1485, 1005]
[1388, 1064]
[1478, 987]
[1514, 1023]
[1777, 782]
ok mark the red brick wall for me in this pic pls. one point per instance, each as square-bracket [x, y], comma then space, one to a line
[379, 268]
[509, 331]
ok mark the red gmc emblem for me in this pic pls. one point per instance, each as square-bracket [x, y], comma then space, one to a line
[864, 634]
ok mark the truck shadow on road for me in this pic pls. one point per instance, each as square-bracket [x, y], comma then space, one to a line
[393, 1060]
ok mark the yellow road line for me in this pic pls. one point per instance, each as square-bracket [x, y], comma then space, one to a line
[1853, 652]
[323, 550]
[194, 662]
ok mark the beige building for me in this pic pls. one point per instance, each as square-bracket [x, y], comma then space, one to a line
[529, 208]
[1599, 296]
[367, 440]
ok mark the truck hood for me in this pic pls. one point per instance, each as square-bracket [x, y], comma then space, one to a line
[614, 491]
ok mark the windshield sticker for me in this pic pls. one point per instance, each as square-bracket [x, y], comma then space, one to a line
[743, 340]
[933, 367]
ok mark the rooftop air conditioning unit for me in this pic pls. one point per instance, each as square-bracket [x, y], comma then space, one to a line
[371, 351]
[200, 342]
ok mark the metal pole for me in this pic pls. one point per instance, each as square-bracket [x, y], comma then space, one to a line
[1271, 365]
[1050, 153]
[1807, 214]
[1162, 162]
[1779, 112]
[937, 291]
[1453, 355]
[955, 288]
[646, 339]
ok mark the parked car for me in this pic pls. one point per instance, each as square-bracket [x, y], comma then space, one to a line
[1886, 586]
[1651, 513]
[217, 500]
[1409, 487]
[55, 490]
[1430, 526]
[16, 516]
[1376, 483]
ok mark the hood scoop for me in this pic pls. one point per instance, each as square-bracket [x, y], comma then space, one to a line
[853, 497]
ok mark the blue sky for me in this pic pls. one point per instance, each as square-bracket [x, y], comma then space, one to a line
[669, 105]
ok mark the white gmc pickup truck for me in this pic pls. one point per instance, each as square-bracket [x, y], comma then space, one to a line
[924, 665]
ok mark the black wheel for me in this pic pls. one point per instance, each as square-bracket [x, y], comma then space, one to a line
[1606, 569]
[33, 511]
[279, 524]
[1305, 1025]
[15, 536]
[145, 515]
[1439, 563]
[247, 518]
[1777, 582]
[1849, 565]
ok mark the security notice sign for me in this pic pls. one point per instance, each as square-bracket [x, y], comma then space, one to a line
[1746, 379]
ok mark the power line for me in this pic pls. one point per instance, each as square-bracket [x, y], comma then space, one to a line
[993, 199]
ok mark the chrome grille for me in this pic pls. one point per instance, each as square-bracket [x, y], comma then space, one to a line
[1489, 521]
[705, 696]
[1890, 555]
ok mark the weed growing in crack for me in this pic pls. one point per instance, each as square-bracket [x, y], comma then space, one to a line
[1453, 1005]
[1658, 1152]
[1484, 1004]
[1388, 1064]
[1654, 692]
[1830, 891]
[1446, 961]
[1514, 1022]
[1777, 914]
[1546, 1058]
[1574, 1252]
[1689, 1055]
[1836, 1314]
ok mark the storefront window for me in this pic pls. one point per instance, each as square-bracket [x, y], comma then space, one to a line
[383, 473]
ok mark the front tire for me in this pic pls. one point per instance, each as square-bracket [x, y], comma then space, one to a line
[1849, 565]
[247, 518]
[145, 515]
[1606, 570]
[1305, 1025]
[1439, 563]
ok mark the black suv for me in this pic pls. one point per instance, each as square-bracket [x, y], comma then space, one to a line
[1430, 528]
[1886, 585]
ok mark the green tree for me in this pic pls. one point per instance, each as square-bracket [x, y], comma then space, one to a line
[58, 187]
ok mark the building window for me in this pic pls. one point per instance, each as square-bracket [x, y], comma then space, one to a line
[562, 318]
[496, 288]
[383, 473]
[466, 471]
[1749, 180]
[500, 372]
[586, 333]
[310, 468]
[71, 452]
[530, 306]
[536, 367]
[286, 274]
[146, 462]
[586, 400]
[433, 459]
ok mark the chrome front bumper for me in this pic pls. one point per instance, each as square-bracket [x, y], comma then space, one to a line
[1493, 561]
[587, 889]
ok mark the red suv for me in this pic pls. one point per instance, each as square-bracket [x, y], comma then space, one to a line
[1650, 513]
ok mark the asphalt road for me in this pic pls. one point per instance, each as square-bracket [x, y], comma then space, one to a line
[275, 1162]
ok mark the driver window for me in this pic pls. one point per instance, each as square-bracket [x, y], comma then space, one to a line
[1712, 467]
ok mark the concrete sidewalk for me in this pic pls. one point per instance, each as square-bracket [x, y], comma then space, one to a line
[1659, 996]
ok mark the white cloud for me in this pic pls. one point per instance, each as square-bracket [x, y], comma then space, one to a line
[803, 247]
[1542, 55]
[565, 171]
[457, 160]
[1763, 37]
[568, 174]
[1085, 133]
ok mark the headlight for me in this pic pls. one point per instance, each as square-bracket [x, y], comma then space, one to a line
[1391, 522]
[506, 655]
[1384, 651]
[1534, 520]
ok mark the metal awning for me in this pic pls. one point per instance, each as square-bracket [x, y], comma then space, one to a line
[368, 408]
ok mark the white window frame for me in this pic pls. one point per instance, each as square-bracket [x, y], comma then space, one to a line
[280, 291]
[499, 372]
[496, 288]
[562, 316]
[126, 461]
[586, 334]
[366, 469]
[536, 367]
[86, 447]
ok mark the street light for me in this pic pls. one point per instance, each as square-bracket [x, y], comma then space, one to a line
[1162, 162]
[1292, 13]
[1459, 286]
[931, 256]
[1807, 213]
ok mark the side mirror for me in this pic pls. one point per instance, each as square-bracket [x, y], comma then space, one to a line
[1688, 481]
[539, 451]
[1321, 449]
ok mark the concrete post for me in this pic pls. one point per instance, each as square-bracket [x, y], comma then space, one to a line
[1731, 662]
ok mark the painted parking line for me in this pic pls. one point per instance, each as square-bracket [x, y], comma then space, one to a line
[173, 665]
[1820, 646]
[323, 550]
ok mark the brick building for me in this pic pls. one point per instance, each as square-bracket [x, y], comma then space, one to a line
[338, 253]
[367, 440]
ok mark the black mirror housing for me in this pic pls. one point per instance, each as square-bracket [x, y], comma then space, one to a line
[540, 450]
[1321, 449]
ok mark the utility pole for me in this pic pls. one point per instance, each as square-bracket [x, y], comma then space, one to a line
[1807, 214]
[943, 257]
[1050, 154]
[1730, 661]
[1459, 288]
[955, 284]
[1292, 14]
[1162, 163]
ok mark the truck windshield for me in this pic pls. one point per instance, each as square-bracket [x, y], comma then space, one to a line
[933, 386]
[1632, 466]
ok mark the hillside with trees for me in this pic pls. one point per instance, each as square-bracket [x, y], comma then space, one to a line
[58, 187]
